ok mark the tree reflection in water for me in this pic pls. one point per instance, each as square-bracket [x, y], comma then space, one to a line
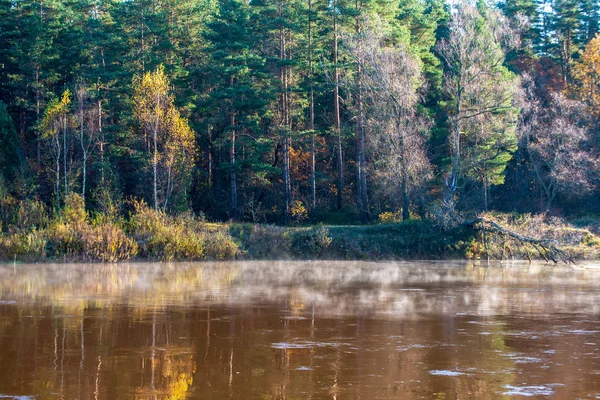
[287, 330]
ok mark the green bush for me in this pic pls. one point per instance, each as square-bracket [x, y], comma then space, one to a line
[268, 242]
[311, 242]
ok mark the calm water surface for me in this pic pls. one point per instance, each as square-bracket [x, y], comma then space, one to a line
[299, 330]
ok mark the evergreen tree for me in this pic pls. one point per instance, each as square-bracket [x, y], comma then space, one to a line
[237, 97]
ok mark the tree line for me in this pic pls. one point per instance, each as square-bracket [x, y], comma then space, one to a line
[301, 110]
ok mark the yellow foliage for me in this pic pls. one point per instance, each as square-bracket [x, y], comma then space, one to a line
[152, 99]
[389, 217]
[172, 138]
[586, 74]
[54, 113]
[298, 211]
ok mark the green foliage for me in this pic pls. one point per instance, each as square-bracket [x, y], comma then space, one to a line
[11, 151]
[313, 242]
[228, 69]
[268, 242]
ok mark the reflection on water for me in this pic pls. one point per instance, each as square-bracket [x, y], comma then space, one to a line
[298, 330]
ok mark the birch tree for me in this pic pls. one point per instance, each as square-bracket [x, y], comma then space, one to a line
[89, 131]
[172, 141]
[55, 121]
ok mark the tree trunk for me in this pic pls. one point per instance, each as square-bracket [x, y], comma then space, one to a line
[155, 160]
[101, 141]
[311, 118]
[57, 171]
[362, 176]
[451, 181]
[485, 195]
[37, 114]
[405, 201]
[65, 155]
[233, 178]
[284, 123]
[336, 110]
[83, 148]
[210, 167]
[85, 155]
[360, 130]
[169, 189]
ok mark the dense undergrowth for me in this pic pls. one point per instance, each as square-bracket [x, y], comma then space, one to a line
[74, 235]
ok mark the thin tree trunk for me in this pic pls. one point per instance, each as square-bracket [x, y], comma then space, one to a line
[283, 105]
[101, 141]
[451, 182]
[84, 176]
[485, 195]
[65, 154]
[169, 189]
[233, 178]
[210, 167]
[456, 140]
[83, 146]
[336, 110]
[362, 176]
[155, 160]
[360, 130]
[37, 113]
[405, 200]
[311, 118]
[57, 171]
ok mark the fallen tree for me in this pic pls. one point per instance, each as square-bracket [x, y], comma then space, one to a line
[548, 249]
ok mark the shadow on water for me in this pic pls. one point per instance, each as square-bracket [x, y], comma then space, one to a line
[297, 330]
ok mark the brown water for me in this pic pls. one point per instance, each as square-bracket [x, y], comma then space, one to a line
[299, 330]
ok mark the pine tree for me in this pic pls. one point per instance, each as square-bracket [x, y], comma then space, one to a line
[237, 97]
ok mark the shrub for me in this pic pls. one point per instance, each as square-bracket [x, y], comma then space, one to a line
[314, 241]
[65, 240]
[108, 243]
[32, 214]
[23, 215]
[220, 246]
[268, 241]
[74, 211]
[167, 238]
[27, 246]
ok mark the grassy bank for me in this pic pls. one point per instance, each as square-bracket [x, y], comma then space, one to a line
[149, 235]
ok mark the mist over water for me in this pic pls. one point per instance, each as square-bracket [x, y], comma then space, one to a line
[297, 330]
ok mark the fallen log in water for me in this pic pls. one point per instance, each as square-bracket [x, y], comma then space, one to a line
[547, 249]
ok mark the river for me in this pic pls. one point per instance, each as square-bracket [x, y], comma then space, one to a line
[299, 330]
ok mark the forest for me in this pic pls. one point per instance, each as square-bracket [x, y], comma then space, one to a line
[295, 112]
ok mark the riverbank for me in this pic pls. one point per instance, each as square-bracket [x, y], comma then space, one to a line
[150, 235]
